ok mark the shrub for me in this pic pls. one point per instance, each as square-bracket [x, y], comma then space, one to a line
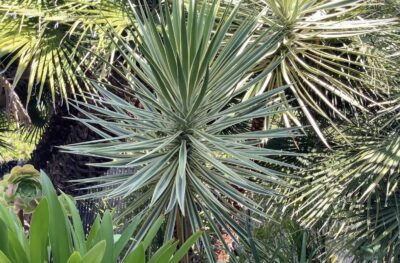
[56, 235]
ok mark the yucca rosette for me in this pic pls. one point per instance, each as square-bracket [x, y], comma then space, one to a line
[189, 158]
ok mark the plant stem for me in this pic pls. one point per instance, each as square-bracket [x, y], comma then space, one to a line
[180, 232]
[20, 215]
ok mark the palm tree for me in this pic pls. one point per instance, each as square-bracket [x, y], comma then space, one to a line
[62, 166]
[350, 194]
[53, 40]
[45, 53]
[370, 231]
[333, 74]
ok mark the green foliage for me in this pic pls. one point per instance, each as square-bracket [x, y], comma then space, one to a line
[351, 194]
[21, 188]
[4, 127]
[331, 71]
[369, 231]
[56, 235]
[202, 71]
[15, 146]
[51, 40]
[350, 175]
[185, 75]
[13, 143]
[287, 242]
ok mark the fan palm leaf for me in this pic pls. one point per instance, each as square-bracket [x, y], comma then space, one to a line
[50, 41]
[369, 232]
[350, 176]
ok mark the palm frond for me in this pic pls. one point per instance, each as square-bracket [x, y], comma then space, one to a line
[349, 176]
[53, 42]
[370, 232]
[331, 71]
[40, 114]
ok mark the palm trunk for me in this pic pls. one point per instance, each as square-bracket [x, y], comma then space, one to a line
[62, 167]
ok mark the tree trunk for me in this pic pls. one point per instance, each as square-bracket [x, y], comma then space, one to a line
[59, 166]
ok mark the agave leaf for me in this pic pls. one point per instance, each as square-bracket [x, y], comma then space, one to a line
[4, 258]
[95, 254]
[59, 238]
[137, 255]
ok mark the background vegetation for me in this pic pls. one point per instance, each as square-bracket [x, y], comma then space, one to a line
[273, 125]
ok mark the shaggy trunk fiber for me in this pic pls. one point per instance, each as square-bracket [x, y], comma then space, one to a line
[62, 167]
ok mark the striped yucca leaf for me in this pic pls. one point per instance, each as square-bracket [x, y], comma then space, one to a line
[185, 73]
[332, 72]
[49, 40]
[349, 176]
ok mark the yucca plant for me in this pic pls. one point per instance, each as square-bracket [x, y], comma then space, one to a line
[186, 73]
[331, 71]
[56, 235]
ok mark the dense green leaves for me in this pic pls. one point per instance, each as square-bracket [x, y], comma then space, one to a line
[185, 73]
[331, 71]
[59, 236]
[350, 195]
[350, 176]
[56, 235]
[200, 73]
[53, 42]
